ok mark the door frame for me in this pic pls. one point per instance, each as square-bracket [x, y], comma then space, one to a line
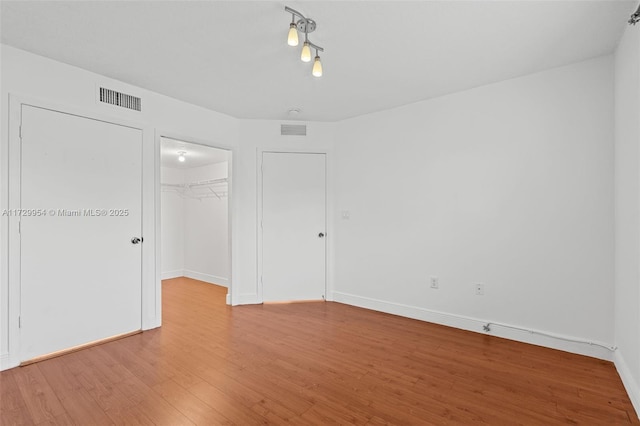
[10, 189]
[231, 208]
[328, 222]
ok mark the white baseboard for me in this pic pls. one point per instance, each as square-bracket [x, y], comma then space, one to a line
[474, 324]
[630, 383]
[247, 299]
[172, 274]
[6, 362]
[207, 278]
[151, 322]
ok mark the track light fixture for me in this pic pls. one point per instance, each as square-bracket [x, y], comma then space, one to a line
[635, 18]
[317, 66]
[306, 26]
[292, 40]
[305, 55]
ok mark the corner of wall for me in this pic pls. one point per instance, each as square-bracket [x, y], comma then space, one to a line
[630, 384]
[207, 278]
[627, 201]
[167, 275]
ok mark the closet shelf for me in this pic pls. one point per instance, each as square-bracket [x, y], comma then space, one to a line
[212, 188]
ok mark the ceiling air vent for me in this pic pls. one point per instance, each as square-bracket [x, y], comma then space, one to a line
[120, 99]
[293, 129]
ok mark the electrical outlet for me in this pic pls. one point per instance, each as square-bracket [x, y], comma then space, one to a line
[434, 282]
[479, 289]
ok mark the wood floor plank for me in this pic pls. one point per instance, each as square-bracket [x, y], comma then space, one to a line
[106, 394]
[310, 363]
[289, 393]
[226, 405]
[13, 409]
[160, 412]
[193, 408]
[132, 416]
[274, 412]
[78, 404]
[59, 420]
[40, 399]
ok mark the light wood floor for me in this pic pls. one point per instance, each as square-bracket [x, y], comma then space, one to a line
[309, 364]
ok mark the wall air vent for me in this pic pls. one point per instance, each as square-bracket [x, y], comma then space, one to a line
[293, 129]
[120, 99]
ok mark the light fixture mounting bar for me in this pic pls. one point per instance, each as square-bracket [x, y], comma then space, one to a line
[295, 12]
[305, 25]
[315, 46]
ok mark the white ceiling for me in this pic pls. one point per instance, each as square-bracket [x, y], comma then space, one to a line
[232, 56]
[196, 155]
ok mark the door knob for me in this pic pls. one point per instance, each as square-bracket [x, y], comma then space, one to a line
[321, 235]
[136, 240]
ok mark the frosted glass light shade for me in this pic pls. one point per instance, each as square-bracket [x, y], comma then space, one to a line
[292, 40]
[317, 67]
[305, 56]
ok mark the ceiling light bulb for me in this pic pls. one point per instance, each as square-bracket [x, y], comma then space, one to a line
[317, 67]
[181, 156]
[305, 56]
[292, 40]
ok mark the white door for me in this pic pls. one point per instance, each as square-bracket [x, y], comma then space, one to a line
[80, 271]
[293, 226]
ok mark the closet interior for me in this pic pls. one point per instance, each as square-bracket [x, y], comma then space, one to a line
[194, 213]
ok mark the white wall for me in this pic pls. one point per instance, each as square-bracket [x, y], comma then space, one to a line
[25, 74]
[206, 237]
[627, 211]
[510, 185]
[172, 226]
[257, 135]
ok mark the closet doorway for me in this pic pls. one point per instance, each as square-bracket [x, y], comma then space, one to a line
[194, 212]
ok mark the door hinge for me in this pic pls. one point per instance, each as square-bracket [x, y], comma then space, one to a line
[19, 227]
[19, 322]
[20, 132]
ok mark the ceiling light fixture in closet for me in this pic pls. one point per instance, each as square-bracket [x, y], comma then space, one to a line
[181, 156]
[306, 26]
